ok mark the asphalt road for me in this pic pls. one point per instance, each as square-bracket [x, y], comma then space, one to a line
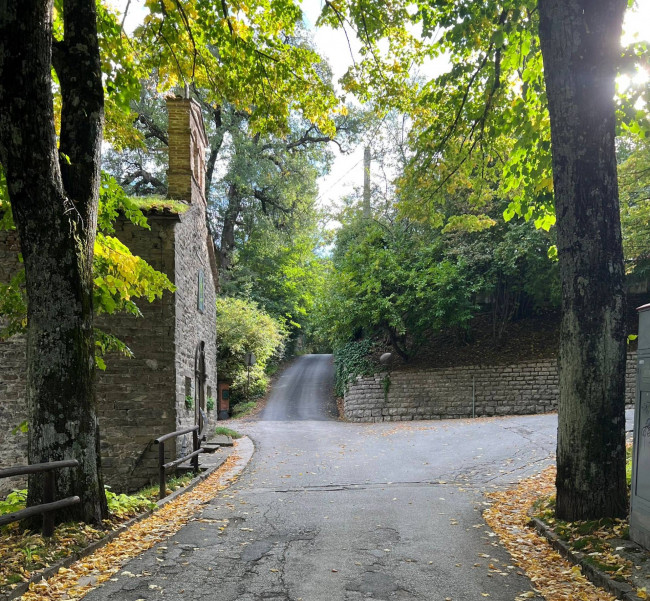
[335, 511]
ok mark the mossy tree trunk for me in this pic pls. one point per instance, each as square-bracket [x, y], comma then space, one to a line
[54, 193]
[580, 42]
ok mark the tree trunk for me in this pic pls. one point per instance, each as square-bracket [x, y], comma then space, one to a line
[227, 245]
[215, 147]
[53, 194]
[580, 42]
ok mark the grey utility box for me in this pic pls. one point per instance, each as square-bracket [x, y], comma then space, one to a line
[640, 491]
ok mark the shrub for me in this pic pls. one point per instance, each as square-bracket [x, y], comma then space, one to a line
[123, 505]
[243, 327]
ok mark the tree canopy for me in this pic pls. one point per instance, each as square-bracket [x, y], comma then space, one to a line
[526, 107]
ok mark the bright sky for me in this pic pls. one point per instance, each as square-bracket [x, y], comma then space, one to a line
[347, 170]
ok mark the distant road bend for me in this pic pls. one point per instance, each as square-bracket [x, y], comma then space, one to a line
[304, 391]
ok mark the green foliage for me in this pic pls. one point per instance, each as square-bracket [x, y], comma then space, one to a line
[120, 276]
[122, 505]
[482, 124]
[393, 280]
[351, 360]
[13, 305]
[634, 186]
[402, 281]
[628, 464]
[189, 402]
[15, 501]
[209, 403]
[113, 202]
[223, 431]
[122, 72]
[269, 192]
[242, 408]
[242, 327]
[6, 220]
[278, 270]
[105, 343]
[22, 427]
[510, 268]
[251, 55]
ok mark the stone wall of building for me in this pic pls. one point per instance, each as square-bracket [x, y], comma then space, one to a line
[522, 388]
[136, 396]
[195, 269]
[13, 447]
[143, 397]
[194, 324]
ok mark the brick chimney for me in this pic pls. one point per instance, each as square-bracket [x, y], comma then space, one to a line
[187, 144]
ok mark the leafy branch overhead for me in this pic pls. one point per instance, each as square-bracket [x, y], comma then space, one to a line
[119, 276]
[482, 123]
[248, 54]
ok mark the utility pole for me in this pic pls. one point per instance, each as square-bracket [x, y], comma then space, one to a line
[366, 182]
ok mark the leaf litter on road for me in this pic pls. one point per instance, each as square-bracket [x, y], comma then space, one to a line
[555, 578]
[89, 572]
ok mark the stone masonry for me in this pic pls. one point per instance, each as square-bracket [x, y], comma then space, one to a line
[13, 447]
[522, 388]
[141, 398]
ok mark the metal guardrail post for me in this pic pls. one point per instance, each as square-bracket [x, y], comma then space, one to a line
[195, 448]
[48, 497]
[161, 471]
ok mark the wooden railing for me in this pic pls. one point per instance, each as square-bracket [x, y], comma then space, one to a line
[50, 506]
[163, 467]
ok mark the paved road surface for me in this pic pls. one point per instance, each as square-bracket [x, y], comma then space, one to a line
[334, 511]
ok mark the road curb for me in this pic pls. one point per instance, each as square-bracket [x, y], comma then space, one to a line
[244, 448]
[621, 590]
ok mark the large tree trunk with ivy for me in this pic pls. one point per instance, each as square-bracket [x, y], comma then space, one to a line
[580, 42]
[53, 193]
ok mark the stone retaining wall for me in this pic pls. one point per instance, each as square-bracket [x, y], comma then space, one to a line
[522, 388]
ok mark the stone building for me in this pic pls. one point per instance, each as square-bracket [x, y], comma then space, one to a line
[169, 382]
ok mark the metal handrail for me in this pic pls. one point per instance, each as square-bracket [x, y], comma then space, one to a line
[175, 434]
[163, 467]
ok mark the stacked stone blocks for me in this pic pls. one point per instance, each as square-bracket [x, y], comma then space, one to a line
[522, 388]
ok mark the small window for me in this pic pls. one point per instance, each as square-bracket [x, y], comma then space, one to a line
[201, 292]
[188, 387]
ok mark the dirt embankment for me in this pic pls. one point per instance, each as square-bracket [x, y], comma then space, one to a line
[522, 340]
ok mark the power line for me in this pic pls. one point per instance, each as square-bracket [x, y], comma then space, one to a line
[330, 188]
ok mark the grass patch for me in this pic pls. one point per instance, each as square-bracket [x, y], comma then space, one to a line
[160, 203]
[174, 483]
[243, 409]
[222, 430]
